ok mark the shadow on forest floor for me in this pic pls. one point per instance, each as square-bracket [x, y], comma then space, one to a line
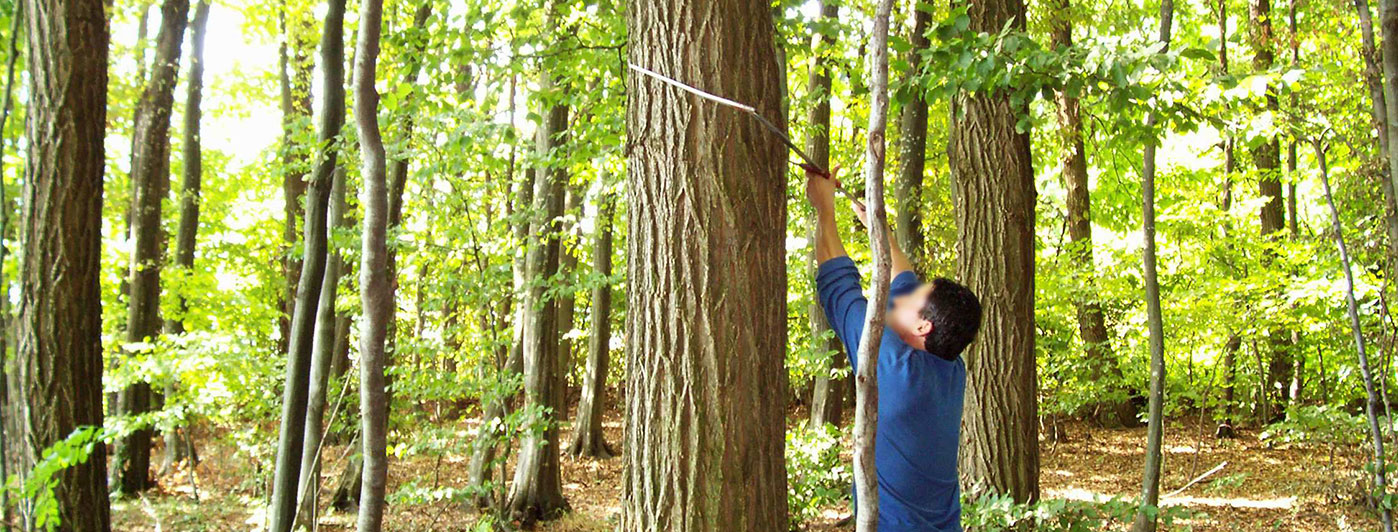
[1262, 487]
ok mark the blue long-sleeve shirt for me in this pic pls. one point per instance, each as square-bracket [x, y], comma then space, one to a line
[920, 399]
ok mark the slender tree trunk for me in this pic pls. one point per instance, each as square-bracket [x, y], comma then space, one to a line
[322, 353]
[375, 286]
[706, 308]
[537, 490]
[908, 185]
[1092, 326]
[1230, 349]
[994, 189]
[150, 171]
[1371, 405]
[1150, 488]
[296, 394]
[485, 445]
[294, 74]
[866, 397]
[7, 418]
[588, 439]
[398, 183]
[828, 394]
[569, 241]
[1266, 157]
[176, 447]
[59, 331]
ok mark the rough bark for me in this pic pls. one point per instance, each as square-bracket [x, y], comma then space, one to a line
[297, 384]
[828, 393]
[175, 446]
[1150, 479]
[706, 320]
[994, 191]
[58, 330]
[150, 174]
[913, 124]
[1266, 157]
[588, 439]
[866, 396]
[375, 287]
[537, 490]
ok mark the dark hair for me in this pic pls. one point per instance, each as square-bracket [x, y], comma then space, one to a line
[955, 313]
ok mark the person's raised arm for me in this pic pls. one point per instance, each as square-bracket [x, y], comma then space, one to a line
[900, 260]
[820, 191]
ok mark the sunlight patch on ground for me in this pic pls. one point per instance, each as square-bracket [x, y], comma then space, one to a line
[1279, 503]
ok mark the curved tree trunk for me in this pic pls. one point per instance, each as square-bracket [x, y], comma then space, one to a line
[322, 353]
[58, 349]
[150, 173]
[375, 286]
[828, 394]
[177, 447]
[588, 439]
[295, 395]
[994, 193]
[706, 308]
[1371, 405]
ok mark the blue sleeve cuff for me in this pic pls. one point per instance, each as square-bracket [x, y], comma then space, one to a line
[833, 264]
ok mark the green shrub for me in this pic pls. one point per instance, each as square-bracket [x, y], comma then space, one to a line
[816, 476]
[992, 512]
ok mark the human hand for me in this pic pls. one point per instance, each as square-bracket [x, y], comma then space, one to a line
[820, 189]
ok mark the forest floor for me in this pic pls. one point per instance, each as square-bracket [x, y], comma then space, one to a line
[1261, 487]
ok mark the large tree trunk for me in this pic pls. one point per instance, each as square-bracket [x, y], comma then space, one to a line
[295, 395]
[59, 330]
[150, 172]
[1371, 405]
[1150, 488]
[994, 190]
[375, 287]
[908, 186]
[176, 447]
[866, 399]
[537, 490]
[1266, 156]
[706, 273]
[828, 393]
[1092, 326]
[588, 439]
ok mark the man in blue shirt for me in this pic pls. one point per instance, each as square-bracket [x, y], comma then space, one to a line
[921, 376]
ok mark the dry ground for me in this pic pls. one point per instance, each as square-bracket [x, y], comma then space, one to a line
[1261, 487]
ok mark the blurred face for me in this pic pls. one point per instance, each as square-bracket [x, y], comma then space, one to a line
[906, 315]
